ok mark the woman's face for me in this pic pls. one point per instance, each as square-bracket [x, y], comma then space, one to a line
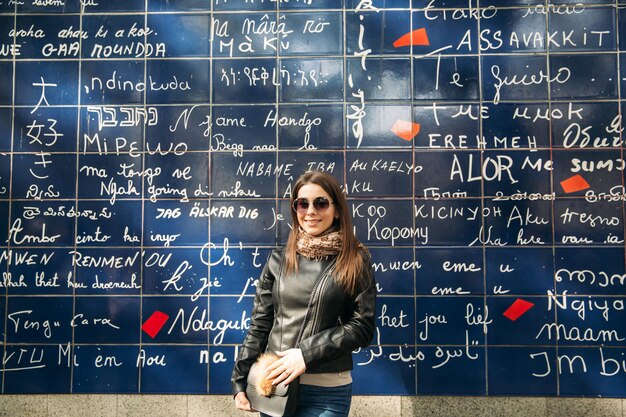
[315, 221]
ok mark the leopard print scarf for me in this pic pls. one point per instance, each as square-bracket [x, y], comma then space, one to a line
[316, 247]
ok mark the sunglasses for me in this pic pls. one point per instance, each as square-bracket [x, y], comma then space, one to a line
[301, 205]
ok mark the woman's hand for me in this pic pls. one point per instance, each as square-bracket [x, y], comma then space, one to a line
[287, 368]
[242, 403]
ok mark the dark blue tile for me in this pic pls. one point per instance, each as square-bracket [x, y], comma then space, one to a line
[257, 34]
[231, 319]
[588, 321]
[622, 63]
[2, 309]
[449, 272]
[6, 117]
[36, 369]
[112, 82]
[575, 78]
[371, 32]
[308, 127]
[111, 177]
[244, 80]
[591, 372]
[395, 270]
[539, 5]
[527, 329]
[386, 223]
[179, 5]
[181, 174]
[312, 5]
[251, 175]
[68, 6]
[42, 272]
[513, 30]
[380, 126]
[284, 221]
[456, 4]
[248, 264]
[388, 370]
[179, 128]
[48, 40]
[46, 130]
[520, 223]
[297, 163]
[121, 36]
[109, 319]
[106, 369]
[45, 176]
[40, 224]
[257, 124]
[451, 370]
[586, 271]
[601, 169]
[522, 371]
[116, 228]
[4, 227]
[395, 319]
[187, 321]
[249, 222]
[512, 172]
[520, 272]
[314, 79]
[448, 126]
[6, 76]
[176, 271]
[239, 6]
[41, 83]
[108, 271]
[458, 35]
[167, 223]
[579, 223]
[35, 320]
[114, 129]
[451, 320]
[382, 79]
[585, 125]
[190, 39]
[516, 78]
[447, 78]
[519, 126]
[379, 4]
[177, 370]
[5, 177]
[222, 360]
[115, 6]
[178, 81]
[393, 172]
[598, 30]
[319, 33]
[621, 16]
[446, 172]
[448, 222]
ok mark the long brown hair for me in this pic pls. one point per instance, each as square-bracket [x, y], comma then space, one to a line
[350, 263]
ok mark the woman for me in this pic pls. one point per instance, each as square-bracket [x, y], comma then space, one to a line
[325, 266]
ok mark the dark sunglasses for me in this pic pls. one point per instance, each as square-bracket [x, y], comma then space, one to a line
[301, 205]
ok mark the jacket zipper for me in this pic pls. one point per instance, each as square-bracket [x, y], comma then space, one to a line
[314, 292]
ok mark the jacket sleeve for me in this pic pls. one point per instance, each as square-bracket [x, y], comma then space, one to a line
[261, 321]
[357, 331]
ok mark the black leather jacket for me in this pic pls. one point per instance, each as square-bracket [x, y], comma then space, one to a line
[337, 323]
